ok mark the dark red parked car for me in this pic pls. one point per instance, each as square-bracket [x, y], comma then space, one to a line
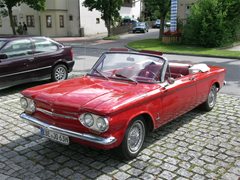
[27, 59]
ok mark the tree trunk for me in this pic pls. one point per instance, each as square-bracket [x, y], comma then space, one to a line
[109, 22]
[109, 30]
[11, 20]
[161, 30]
[108, 26]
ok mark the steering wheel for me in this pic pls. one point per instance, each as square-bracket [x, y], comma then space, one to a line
[148, 74]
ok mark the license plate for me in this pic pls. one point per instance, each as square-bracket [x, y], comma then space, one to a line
[63, 139]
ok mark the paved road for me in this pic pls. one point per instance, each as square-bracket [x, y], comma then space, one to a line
[87, 52]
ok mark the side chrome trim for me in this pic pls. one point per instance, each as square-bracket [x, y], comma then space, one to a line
[87, 137]
[53, 114]
[47, 67]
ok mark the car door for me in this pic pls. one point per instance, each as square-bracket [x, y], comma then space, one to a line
[178, 98]
[16, 68]
[204, 84]
[46, 54]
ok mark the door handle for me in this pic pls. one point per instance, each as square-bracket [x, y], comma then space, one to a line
[192, 78]
[165, 90]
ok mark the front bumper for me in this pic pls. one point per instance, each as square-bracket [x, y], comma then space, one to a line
[87, 137]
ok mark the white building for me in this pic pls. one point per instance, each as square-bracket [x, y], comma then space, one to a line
[64, 18]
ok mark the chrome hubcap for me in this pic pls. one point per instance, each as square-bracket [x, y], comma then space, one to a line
[60, 74]
[136, 137]
[212, 97]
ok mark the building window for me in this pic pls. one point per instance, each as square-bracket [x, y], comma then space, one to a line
[70, 18]
[30, 21]
[128, 3]
[187, 10]
[61, 21]
[49, 21]
[97, 20]
[15, 21]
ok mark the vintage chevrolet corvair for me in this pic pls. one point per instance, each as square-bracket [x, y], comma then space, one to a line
[124, 96]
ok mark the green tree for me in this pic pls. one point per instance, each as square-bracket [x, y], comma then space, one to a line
[159, 7]
[109, 11]
[212, 23]
[7, 5]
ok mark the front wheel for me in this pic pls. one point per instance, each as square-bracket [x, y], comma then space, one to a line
[133, 139]
[209, 104]
[59, 73]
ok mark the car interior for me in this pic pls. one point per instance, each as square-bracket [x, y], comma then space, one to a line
[174, 70]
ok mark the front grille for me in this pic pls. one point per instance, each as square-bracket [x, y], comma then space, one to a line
[73, 116]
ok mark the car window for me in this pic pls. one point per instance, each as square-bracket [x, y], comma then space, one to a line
[16, 48]
[2, 42]
[44, 45]
[141, 24]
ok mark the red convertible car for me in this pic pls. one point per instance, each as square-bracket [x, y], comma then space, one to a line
[124, 96]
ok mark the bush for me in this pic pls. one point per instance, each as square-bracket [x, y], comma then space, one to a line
[212, 23]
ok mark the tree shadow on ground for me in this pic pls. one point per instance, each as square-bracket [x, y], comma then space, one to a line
[19, 88]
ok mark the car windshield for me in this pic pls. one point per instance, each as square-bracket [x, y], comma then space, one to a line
[140, 24]
[128, 66]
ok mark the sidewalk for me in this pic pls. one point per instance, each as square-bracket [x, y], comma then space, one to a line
[79, 39]
[234, 48]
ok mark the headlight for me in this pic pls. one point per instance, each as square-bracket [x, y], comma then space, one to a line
[88, 120]
[27, 104]
[23, 102]
[31, 106]
[102, 123]
[94, 122]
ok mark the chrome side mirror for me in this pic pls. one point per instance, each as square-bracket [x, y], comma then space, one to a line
[170, 80]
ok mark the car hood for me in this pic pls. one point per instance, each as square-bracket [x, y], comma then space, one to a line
[91, 93]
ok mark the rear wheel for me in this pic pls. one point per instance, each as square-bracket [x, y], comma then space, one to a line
[133, 139]
[209, 104]
[59, 73]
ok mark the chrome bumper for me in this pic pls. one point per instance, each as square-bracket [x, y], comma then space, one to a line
[87, 137]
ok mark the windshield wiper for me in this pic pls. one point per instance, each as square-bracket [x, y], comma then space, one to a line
[120, 75]
[99, 72]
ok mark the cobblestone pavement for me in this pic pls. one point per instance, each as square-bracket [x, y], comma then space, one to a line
[195, 146]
